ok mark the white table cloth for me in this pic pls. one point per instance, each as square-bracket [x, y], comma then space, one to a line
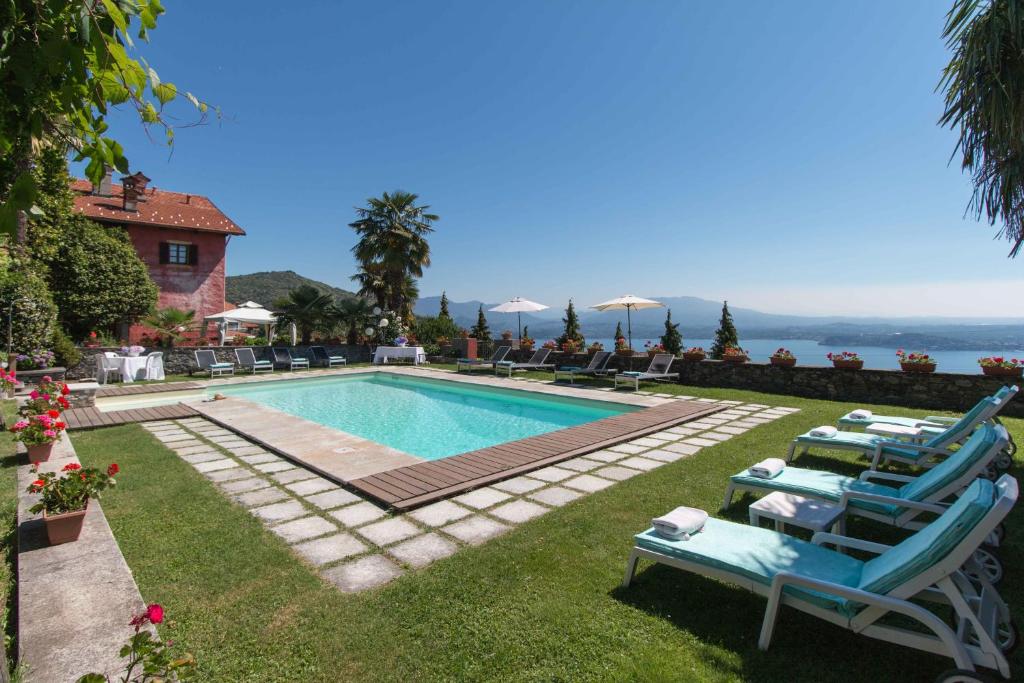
[134, 367]
[385, 353]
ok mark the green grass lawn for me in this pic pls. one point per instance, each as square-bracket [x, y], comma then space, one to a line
[541, 603]
[8, 528]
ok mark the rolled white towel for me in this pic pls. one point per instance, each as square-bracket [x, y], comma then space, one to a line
[767, 468]
[861, 414]
[680, 524]
[826, 431]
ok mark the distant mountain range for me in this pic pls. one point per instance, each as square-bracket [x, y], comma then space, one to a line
[266, 288]
[698, 318]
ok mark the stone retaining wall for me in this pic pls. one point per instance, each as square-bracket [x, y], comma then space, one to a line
[180, 360]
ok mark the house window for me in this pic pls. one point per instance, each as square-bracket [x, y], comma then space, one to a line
[178, 253]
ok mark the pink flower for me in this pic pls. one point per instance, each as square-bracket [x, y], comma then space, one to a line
[47, 379]
[19, 425]
[155, 613]
[34, 394]
[50, 434]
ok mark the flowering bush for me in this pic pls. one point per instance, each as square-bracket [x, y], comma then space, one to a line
[48, 395]
[596, 346]
[694, 350]
[401, 340]
[653, 348]
[506, 334]
[8, 382]
[783, 354]
[35, 359]
[526, 342]
[570, 346]
[843, 355]
[550, 344]
[621, 345]
[38, 429]
[1001, 362]
[149, 659]
[72, 491]
[914, 358]
[134, 348]
[731, 351]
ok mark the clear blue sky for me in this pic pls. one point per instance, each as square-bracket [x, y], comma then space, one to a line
[784, 155]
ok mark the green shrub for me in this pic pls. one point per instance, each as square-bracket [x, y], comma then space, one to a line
[33, 314]
[68, 354]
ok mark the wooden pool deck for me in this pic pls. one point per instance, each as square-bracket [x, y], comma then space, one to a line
[91, 418]
[407, 487]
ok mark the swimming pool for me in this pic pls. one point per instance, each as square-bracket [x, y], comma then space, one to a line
[428, 418]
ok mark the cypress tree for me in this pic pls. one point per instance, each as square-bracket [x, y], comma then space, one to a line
[672, 340]
[618, 333]
[444, 307]
[726, 334]
[481, 331]
[572, 328]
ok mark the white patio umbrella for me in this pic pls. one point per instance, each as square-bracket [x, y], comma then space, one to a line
[629, 302]
[518, 305]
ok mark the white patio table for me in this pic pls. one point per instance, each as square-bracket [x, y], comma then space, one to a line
[134, 368]
[415, 354]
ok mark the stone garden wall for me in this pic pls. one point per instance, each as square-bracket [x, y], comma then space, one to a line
[180, 360]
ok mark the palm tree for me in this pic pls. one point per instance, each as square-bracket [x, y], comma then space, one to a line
[392, 250]
[353, 315]
[984, 85]
[306, 308]
[171, 324]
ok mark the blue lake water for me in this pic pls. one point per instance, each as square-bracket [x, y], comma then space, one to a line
[428, 418]
[808, 352]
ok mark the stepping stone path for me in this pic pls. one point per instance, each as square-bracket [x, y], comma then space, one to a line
[356, 545]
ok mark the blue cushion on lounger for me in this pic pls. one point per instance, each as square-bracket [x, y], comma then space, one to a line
[221, 365]
[820, 484]
[759, 554]
[569, 368]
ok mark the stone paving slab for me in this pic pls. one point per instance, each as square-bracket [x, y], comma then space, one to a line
[518, 511]
[617, 473]
[214, 465]
[197, 458]
[328, 500]
[302, 529]
[440, 513]
[640, 463]
[330, 548]
[388, 531]
[665, 455]
[519, 484]
[423, 550]
[552, 474]
[262, 496]
[475, 530]
[296, 474]
[579, 465]
[310, 486]
[192, 450]
[605, 456]
[243, 485]
[588, 483]
[556, 496]
[279, 512]
[260, 458]
[274, 466]
[368, 572]
[482, 498]
[227, 475]
[681, 447]
[360, 513]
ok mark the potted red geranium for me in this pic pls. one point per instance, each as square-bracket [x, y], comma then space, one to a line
[846, 360]
[998, 366]
[915, 361]
[8, 383]
[39, 433]
[783, 358]
[48, 395]
[594, 348]
[653, 349]
[622, 347]
[64, 499]
[734, 354]
[694, 353]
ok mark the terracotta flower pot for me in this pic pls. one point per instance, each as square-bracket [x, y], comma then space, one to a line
[918, 367]
[783, 362]
[65, 527]
[694, 356]
[848, 364]
[652, 354]
[624, 352]
[1000, 371]
[39, 452]
[734, 359]
[526, 347]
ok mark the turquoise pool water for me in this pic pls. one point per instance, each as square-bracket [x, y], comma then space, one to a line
[428, 418]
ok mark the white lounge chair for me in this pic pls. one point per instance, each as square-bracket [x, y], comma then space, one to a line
[284, 358]
[247, 361]
[537, 362]
[899, 500]
[324, 359]
[470, 363]
[598, 366]
[207, 362]
[657, 370]
[901, 580]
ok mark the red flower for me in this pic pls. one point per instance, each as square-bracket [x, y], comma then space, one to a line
[113, 469]
[71, 467]
[39, 483]
[64, 391]
[155, 613]
[53, 413]
[63, 402]
[60, 425]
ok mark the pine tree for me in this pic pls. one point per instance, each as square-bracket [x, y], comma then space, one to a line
[572, 328]
[618, 332]
[481, 331]
[726, 334]
[444, 307]
[672, 340]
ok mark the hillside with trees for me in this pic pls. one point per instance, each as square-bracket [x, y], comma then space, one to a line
[268, 287]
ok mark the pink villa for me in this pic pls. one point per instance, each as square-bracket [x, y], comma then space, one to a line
[182, 238]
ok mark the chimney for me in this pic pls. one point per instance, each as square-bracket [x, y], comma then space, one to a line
[141, 181]
[105, 188]
[130, 192]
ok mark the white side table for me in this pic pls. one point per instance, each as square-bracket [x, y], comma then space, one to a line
[806, 513]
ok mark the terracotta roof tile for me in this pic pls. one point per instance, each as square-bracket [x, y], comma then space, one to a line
[157, 207]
